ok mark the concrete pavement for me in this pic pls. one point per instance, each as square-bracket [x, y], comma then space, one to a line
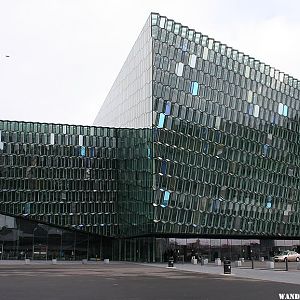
[129, 281]
[259, 273]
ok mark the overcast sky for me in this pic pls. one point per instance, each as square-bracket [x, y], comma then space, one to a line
[65, 54]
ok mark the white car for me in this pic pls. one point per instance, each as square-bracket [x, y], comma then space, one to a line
[287, 255]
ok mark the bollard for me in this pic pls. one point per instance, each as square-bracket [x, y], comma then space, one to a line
[194, 260]
[270, 264]
[218, 262]
[238, 263]
[286, 264]
[252, 263]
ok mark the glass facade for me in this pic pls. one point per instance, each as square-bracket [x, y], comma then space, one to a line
[225, 139]
[21, 238]
[134, 200]
[202, 144]
[60, 174]
[92, 179]
[128, 103]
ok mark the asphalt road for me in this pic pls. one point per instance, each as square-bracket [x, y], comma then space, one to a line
[128, 281]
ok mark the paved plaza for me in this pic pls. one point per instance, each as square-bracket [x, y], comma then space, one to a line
[260, 271]
[116, 281]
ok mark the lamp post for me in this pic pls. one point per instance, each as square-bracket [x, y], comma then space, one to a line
[33, 242]
[252, 259]
[88, 247]
[61, 244]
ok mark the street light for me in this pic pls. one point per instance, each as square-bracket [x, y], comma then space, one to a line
[61, 243]
[33, 241]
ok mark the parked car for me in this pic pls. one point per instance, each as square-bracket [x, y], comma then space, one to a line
[287, 255]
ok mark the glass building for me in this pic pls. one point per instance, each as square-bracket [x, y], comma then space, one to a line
[194, 151]
[60, 175]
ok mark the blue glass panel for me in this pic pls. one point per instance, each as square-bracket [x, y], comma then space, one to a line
[168, 108]
[166, 198]
[216, 205]
[269, 202]
[149, 153]
[273, 120]
[161, 120]
[265, 149]
[82, 151]
[205, 148]
[164, 167]
[250, 109]
[204, 132]
[155, 135]
[92, 152]
[27, 208]
[285, 110]
[87, 163]
[77, 151]
[218, 137]
[194, 88]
